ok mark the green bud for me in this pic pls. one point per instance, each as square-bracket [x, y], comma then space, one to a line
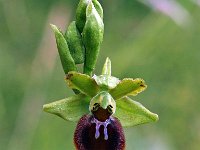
[67, 61]
[92, 38]
[98, 7]
[81, 13]
[75, 43]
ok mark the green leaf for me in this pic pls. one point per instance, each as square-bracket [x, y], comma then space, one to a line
[131, 113]
[71, 108]
[84, 83]
[67, 61]
[127, 87]
[74, 41]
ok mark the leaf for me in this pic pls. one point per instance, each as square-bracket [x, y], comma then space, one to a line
[127, 87]
[84, 83]
[65, 56]
[71, 108]
[131, 113]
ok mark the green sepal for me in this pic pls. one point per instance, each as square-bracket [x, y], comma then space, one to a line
[71, 108]
[67, 61]
[81, 13]
[75, 44]
[92, 38]
[128, 86]
[131, 113]
[84, 83]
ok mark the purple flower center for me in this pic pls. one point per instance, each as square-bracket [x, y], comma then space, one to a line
[98, 125]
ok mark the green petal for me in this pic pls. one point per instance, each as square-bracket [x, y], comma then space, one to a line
[128, 87]
[71, 108]
[131, 113]
[106, 82]
[84, 83]
[107, 67]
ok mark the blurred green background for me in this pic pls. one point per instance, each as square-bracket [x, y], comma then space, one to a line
[157, 40]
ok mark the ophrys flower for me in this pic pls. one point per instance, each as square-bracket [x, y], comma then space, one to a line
[101, 108]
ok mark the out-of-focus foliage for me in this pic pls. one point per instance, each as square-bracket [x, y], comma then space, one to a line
[140, 40]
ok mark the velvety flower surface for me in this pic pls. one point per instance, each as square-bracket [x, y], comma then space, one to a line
[84, 136]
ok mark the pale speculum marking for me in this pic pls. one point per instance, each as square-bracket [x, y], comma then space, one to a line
[98, 125]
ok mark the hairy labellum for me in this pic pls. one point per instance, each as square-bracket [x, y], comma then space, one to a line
[91, 134]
